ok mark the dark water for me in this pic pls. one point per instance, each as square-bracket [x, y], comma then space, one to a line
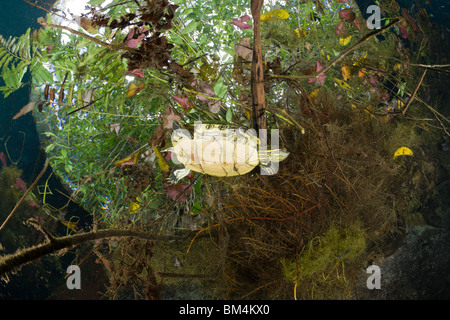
[19, 139]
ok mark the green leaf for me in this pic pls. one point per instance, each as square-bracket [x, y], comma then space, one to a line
[198, 187]
[220, 89]
[49, 148]
[68, 168]
[196, 208]
[8, 77]
[41, 74]
[176, 39]
[229, 115]
[96, 2]
[64, 153]
[190, 27]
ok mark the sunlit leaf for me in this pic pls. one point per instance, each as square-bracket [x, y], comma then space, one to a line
[300, 33]
[403, 151]
[346, 72]
[343, 84]
[133, 207]
[345, 41]
[162, 162]
[361, 60]
[130, 160]
[72, 225]
[134, 88]
[190, 27]
[278, 14]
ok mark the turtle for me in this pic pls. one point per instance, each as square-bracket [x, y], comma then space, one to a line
[221, 151]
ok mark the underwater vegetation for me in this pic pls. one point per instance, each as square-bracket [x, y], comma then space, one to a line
[356, 108]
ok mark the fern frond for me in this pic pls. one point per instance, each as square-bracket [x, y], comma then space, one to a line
[15, 49]
[15, 57]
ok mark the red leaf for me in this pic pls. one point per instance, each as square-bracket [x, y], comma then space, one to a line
[321, 77]
[403, 31]
[347, 14]
[32, 203]
[137, 72]
[184, 102]
[240, 22]
[358, 24]
[3, 159]
[114, 127]
[244, 50]
[168, 117]
[21, 185]
[133, 42]
[340, 28]
[157, 137]
[177, 191]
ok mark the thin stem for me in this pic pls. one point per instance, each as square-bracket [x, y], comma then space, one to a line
[26, 194]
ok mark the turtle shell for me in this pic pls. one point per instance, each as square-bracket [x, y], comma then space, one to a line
[217, 153]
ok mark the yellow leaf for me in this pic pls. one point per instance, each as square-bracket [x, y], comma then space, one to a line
[71, 225]
[86, 24]
[308, 45]
[360, 61]
[300, 33]
[403, 151]
[362, 72]
[346, 72]
[278, 14]
[134, 206]
[343, 84]
[130, 160]
[314, 94]
[400, 104]
[397, 66]
[345, 41]
[135, 88]
[162, 162]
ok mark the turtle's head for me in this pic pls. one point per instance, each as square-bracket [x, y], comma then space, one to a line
[280, 154]
[274, 155]
[179, 133]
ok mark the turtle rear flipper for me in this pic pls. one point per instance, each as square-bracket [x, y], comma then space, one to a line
[177, 174]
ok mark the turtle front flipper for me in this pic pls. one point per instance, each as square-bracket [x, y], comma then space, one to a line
[177, 174]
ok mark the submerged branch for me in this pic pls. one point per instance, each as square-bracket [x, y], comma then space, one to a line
[95, 40]
[14, 261]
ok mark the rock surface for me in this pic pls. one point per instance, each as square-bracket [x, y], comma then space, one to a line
[418, 270]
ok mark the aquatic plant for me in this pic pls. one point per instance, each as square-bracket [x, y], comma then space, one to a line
[334, 245]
